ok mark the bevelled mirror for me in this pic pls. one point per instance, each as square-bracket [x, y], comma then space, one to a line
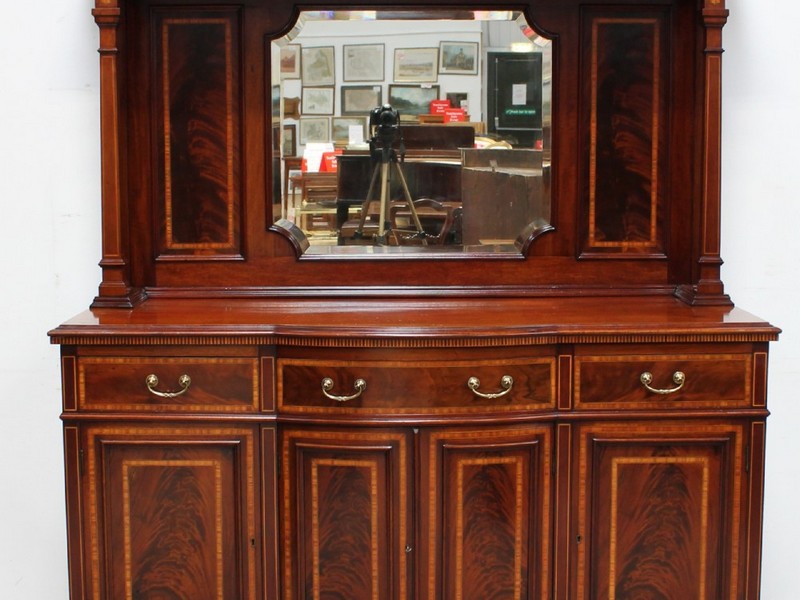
[409, 134]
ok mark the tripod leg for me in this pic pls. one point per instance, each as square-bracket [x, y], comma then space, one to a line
[365, 207]
[384, 199]
[411, 207]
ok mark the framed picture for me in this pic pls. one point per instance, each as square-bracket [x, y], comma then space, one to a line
[317, 66]
[363, 62]
[458, 100]
[290, 61]
[315, 129]
[342, 125]
[317, 101]
[276, 102]
[289, 140]
[412, 100]
[458, 58]
[416, 64]
[360, 99]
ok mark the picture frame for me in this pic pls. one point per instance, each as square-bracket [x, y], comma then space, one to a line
[317, 101]
[412, 100]
[416, 65]
[317, 66]
[315, 129]
[360, 99]
[289, 140]
[290, 61]
[276, 102]
[340, 130]
[459, 58]
[458, 99]
[363, 62]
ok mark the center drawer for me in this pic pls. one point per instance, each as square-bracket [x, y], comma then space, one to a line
[405, 387]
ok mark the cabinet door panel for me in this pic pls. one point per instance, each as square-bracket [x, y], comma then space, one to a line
[659, 511]
[346, 516]
[485, 518]
[172, 513]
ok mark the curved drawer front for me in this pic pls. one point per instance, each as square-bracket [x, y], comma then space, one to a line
[708, 381]
[409, 387]
[121, 384]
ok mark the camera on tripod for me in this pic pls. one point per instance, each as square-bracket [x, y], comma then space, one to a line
[384, 125]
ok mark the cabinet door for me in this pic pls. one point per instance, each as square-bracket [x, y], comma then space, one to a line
[171, 513]
[485, 519]
[660, 511]
[346, 517]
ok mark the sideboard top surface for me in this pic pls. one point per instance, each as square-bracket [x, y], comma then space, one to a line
[482, 321]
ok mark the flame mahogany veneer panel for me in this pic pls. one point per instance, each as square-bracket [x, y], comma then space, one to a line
[628, 59]
[197, 81]
[172, 512]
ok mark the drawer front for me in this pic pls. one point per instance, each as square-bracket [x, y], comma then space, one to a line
[125, 384]
[709, 381]
[407, 387]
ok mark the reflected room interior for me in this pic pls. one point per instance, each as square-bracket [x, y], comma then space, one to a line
[411, 133]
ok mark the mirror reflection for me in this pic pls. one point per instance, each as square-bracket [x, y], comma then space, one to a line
[406, 133]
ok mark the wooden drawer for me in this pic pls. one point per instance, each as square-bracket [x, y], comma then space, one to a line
[430, 387]
[710, 381]
[121, 384]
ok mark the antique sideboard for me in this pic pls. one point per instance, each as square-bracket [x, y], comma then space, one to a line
[578, 413]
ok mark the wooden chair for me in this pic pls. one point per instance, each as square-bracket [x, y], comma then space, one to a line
[439, 216]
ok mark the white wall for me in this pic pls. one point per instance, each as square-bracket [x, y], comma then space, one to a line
[49, 190]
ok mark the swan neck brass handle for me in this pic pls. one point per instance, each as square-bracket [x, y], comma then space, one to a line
[678, 377]
[327, 385]
[506, 382]
[152, 381]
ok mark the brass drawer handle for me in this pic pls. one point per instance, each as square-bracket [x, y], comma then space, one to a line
[327, 385]
[506, 382]
[152, 381]
[647, 378]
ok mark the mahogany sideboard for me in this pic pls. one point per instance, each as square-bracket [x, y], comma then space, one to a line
[247, 417]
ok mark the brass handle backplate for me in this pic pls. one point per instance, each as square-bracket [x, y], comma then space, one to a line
[506, 382]
[327, 385]
[152, 381]
[647, 378]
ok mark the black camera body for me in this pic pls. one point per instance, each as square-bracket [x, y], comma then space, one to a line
[384, 124]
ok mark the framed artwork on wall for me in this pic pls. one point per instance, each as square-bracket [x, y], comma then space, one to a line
[363, 62]
[360, 99]
[412, 100]
[317, 101]
[289, 141]
[290, 61]
[317, 66]
[416, 64]
[315, 129]
[341, 128]
[458, 58]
